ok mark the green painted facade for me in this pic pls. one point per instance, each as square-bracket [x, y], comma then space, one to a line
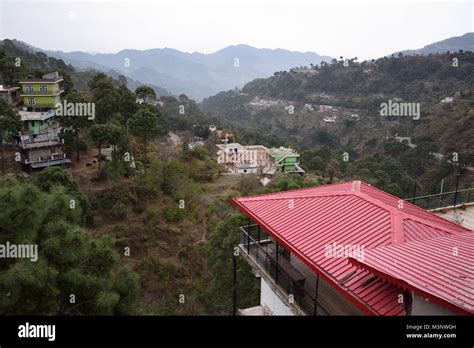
[39, 95]
[41, 101]
[36, 126]
[288, 164]
[285, 161]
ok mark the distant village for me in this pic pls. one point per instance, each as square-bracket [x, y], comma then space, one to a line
[41, 145]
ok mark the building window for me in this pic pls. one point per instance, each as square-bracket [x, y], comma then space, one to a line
[31, 101]
[43, 89]
[29, 89]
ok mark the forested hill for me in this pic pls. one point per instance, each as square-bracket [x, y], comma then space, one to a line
[421, 78]
[456, 43]
[29, 60]
[344, 115]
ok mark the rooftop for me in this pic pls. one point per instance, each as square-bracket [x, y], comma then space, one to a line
[307, 221]
[35, 115]
[283, 151]
[47, 78]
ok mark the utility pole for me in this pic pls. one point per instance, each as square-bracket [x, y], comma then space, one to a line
[414, 193]
[441, 193]
[234, 286]
[456, 189]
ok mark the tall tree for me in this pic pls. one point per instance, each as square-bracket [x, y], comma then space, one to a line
[144, 124]
[72, 125]
[70, 273]
[105, 133]
[145, 92]
[128, 105]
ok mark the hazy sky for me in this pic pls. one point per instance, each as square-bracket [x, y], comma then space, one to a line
[365, 29]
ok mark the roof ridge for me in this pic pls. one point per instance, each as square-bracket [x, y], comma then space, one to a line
[295, 190]
[421, 210]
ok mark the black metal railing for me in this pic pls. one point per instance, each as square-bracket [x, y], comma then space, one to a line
[441, 200]
[256, 243]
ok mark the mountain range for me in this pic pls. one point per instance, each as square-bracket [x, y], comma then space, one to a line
[199, 75]
[196, 74]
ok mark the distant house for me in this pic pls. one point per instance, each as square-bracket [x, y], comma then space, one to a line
[447, 100]
[330, 119]
[326, 108]
[10, 94]
[224, 134]
[355, 117]
[239, 159]
[286, 160]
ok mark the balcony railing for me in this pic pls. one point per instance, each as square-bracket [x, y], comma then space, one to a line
[267, 255]
[53, 157]
[442, 200]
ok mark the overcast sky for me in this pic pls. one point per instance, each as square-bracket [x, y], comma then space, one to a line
[366, 29]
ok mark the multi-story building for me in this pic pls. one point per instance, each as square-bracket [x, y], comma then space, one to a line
[352, 249]
[40, 135]
[240, 159]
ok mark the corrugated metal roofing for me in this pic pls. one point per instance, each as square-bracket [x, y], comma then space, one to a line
[440, 268]
[311, 221]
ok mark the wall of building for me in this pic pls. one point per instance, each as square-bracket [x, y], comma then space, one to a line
[42, 101]
[329, 298]
[272, 301]
[247, 170]
[52, 88]
[420, 306]
[45, 153]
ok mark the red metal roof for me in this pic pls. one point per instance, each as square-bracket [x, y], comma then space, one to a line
[312, 221]
[440, 268]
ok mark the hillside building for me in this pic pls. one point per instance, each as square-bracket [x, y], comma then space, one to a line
[40, 135]
[286, 160]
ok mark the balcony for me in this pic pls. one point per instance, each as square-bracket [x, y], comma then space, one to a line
[29, 141]
[45, 161]
[272, 262]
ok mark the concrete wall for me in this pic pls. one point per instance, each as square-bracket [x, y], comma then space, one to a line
[328, 296]
[272, 301]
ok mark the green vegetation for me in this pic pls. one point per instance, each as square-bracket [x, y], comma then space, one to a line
[365, 148]
[171, 233]
[74, 273]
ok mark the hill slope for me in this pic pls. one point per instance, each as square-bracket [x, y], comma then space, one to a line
[453, 44]
[344, 113]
